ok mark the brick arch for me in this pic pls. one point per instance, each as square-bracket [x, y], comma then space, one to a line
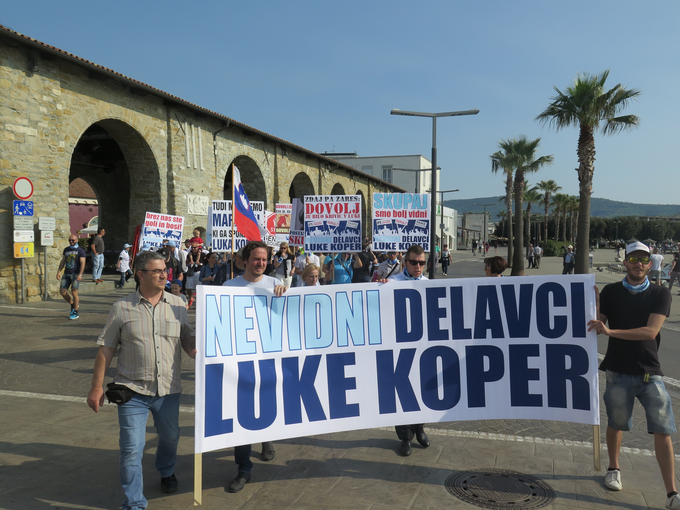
[301, 186]
[338, 189]
[251, 177]
[118, 163]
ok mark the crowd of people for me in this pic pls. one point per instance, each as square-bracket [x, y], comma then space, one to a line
[630, 313]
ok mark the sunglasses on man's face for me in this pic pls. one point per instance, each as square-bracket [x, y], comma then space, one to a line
[416, 262]
[635, 260]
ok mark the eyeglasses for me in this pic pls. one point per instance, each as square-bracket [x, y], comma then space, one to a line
[390, 253]
[156, 272]
[72, 240]
[635, 260]
[416, 262]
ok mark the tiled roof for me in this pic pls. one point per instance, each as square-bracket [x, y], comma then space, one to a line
[80, 189]
[91, 65]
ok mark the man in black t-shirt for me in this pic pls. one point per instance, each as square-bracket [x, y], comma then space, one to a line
[73, 264]
[636, 309]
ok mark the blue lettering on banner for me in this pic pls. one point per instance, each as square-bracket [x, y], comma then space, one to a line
[293, 322]
[518, 317]
[543, 315]
[298, 389]
[408, 308]
[521, 374]
[393, 379]
[350, 319]
[245, 395]
[339, 384]
[487, 299]
[242, 325]
[373, 306]
[450, 373]
[435, 313]
[270, 326]
[217, 326]
[214, 424]
[558, 375]
[318, 312]
[458, 329]
[477, 377]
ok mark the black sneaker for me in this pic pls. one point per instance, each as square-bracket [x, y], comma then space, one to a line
[239, 482]
[169, 484]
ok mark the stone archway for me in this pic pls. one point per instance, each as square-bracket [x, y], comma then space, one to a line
[338, 189]
[116, 161]
[251, 178]
[301, 186]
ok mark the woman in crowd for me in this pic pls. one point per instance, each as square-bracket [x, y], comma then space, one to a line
[446, 259]
[193, 271]
[283, 262]
[310, 275]
[494, 266]
[209, 270]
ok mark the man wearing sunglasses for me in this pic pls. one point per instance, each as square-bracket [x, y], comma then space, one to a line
[151, 328]
[73, 264]
[636, 309]
[415, 265]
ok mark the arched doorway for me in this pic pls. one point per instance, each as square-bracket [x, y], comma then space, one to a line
[301, 186]
[251, 178]
[338, 189]
[118, 164]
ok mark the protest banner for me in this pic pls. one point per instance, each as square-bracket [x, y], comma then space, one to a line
[158, 226]
[297, 223]
[269, 223]
[333, 223]
[336, 358]
[219, 223]
[283, 217]
[401, 220]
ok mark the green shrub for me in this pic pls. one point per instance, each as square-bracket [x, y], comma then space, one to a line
[554, 249]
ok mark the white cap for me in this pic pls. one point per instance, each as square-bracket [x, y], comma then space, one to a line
[636, 246]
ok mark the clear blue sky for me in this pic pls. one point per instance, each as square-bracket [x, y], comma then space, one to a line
[326, 75]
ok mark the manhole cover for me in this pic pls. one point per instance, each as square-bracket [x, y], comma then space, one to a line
[500, 489]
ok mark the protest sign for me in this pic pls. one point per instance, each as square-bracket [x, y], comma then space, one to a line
[269, 223]
[220, 225]
[333, 223]
[401, 220]
[158, 226]
[297, 223]
[282, 225]
[344, 357]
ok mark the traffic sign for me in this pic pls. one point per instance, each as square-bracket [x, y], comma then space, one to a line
[23, 250]
[23, 236]
[46, 238]
[22, 208]
[23, 223]
[23, 188]
[45, 223]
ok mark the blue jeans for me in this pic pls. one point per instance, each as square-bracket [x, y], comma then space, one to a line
[97, 266]
[619, 397]
[132, 417]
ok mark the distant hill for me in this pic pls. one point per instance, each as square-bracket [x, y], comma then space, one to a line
[598, 207]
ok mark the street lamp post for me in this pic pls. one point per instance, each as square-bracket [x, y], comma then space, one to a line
[486, 230]
[433, 186]
[441, 214]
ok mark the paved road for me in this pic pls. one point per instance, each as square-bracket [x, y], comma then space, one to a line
[41, 351]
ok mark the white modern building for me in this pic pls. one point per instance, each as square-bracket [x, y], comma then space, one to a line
[408, 172]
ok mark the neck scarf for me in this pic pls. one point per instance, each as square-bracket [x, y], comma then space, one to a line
[635, 289]
[409, 277]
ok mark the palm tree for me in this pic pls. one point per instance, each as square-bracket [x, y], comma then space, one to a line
[548, 188]
[531, 196]
[502, 215]
[499, 160]
[520, 155]
[560, 202]
[589, 106]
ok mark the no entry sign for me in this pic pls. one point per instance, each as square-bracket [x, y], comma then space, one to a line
[23, 188]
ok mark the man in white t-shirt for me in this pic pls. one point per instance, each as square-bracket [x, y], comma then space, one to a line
[391, 266]
[655, 271]
[254, 256]
[538, 252]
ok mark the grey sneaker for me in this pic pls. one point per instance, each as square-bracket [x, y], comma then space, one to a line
[612, 481]
[673, 503]
[268, 452]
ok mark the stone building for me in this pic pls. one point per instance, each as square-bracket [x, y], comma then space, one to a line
[139, 148]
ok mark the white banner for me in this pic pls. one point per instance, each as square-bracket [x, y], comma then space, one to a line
[345, 357]
[158, 226]
[219, 224]
[401, 220]
[333, 223]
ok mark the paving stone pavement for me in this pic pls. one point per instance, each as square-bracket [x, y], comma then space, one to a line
[58, 454]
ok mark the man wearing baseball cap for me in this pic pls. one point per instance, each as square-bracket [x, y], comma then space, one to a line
[635, 309]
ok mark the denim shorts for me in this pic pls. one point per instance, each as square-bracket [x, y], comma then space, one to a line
[619, 397]
[69, 280]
